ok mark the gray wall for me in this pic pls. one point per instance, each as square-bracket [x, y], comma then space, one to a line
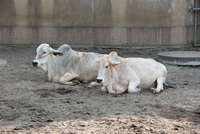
[96, 22]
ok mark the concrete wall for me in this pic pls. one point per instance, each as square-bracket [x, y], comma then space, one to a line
[98, 22]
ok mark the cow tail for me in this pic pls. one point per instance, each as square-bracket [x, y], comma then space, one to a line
[168, 86]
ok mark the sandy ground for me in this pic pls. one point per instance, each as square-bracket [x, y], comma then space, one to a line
[31, 104]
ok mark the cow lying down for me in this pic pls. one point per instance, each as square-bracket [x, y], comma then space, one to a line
[65, 64]
[119, 74]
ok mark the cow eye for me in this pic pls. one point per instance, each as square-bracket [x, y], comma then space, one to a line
[44, 52]
[106, 67]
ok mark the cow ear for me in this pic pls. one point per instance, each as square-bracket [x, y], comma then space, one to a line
[115, 63]
[113, 56]
[55, 52]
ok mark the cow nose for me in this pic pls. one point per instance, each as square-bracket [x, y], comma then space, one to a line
[99, 80]
[35, 64]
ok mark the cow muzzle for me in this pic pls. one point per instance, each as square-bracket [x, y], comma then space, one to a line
[99, 80]
[35, 64]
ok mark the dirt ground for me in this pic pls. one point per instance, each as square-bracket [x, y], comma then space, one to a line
[31, 104]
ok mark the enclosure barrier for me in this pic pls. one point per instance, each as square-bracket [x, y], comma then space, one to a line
[196, 9]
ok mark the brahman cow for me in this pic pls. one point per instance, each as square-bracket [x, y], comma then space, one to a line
[118, 74]
[65, 64]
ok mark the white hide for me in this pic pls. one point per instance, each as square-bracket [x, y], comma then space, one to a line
[119, 74]
[66, 64]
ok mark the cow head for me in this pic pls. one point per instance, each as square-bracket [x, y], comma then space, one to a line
[105, 66]
[44, 51]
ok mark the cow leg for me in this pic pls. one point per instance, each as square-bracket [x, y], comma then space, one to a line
[65, 79]
[153, 86]
[160, 82]
[104, 88]
[132, 87]
[94, 84]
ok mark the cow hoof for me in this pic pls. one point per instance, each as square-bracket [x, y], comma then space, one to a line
[104, 89]
[135, 90]
[152, 88]
[156, 91]
[90, 85]
[73, 84]
[68, 83]
[76, 82]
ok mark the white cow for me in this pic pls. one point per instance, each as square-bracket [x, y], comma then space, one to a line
[65, 64]
[118, 74]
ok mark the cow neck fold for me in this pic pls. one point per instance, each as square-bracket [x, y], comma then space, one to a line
[112, 77]
[51, 70]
